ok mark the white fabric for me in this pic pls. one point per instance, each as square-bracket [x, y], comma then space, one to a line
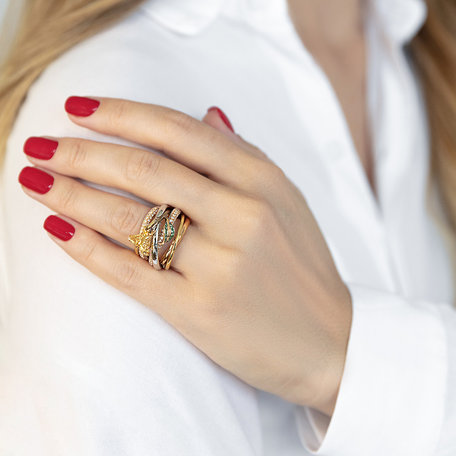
[86, 370]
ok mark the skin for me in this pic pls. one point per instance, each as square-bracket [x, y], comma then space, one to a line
[333, 33]
[264, 300]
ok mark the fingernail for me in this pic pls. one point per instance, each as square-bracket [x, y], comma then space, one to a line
[222, 116]
[59, 227]
[35, 179]
[81, 106]
[41, 148]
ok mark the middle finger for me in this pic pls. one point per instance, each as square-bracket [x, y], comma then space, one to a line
[140, 172]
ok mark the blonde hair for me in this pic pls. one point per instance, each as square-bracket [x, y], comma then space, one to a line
[49, 27]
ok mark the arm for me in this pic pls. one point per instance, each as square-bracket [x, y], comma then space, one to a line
[397, 392]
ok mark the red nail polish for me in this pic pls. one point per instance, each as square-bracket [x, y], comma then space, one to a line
[81, 106]
[35, 179]
[59, 227]
[222, 116]
[41, 148]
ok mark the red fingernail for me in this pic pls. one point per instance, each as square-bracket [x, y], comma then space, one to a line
[59, 227]
[35, 179]
[41, 148]
[81, 106]
[222, 116]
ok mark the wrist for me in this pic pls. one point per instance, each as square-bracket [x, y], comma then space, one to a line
[326, 383]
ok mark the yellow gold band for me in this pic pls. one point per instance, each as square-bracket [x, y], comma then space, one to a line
[157, 229]
[168, 256]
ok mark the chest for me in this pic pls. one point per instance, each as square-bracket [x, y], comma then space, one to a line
[290, 109]
[346, 72]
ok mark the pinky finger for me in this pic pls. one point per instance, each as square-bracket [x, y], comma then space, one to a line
[116, 265]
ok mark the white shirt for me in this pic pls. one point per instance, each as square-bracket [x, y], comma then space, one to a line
[86, 370]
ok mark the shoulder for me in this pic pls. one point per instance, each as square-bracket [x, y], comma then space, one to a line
[93, 342]
[128, 60]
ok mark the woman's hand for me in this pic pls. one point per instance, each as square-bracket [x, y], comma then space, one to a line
[252, 284]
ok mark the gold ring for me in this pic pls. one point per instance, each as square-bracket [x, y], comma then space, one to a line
[157, 229]
[143, 239]
[167, 233]
[168, 256]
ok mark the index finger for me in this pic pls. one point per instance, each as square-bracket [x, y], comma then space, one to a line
[180, 136]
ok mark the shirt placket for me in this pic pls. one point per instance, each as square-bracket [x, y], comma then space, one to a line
[315, 103]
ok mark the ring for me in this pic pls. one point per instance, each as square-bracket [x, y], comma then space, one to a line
[168, 256]
[157, 229]
[143, 239]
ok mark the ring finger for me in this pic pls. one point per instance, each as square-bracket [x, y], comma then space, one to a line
[112, 215]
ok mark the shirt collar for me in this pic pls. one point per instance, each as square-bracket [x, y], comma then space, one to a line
[401, 19]
[187, 17]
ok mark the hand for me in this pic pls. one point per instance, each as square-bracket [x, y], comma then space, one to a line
[252, 284]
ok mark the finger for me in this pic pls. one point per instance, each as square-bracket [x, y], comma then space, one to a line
[112, 215]
[119, 267]
[182, 137]
[137, 171]
[217, 119]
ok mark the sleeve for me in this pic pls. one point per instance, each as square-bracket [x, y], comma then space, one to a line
[85, 369]
[397, 394]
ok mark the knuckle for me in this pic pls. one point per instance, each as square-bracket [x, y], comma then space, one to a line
[273, 173]
[258, 215]
[229, 265]
[178, 120]
[142, 166]
[257, 152]
[127, 275]
[124, 219]
[67, 199]
[77, 153]
[117, 114]
[88, 251]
